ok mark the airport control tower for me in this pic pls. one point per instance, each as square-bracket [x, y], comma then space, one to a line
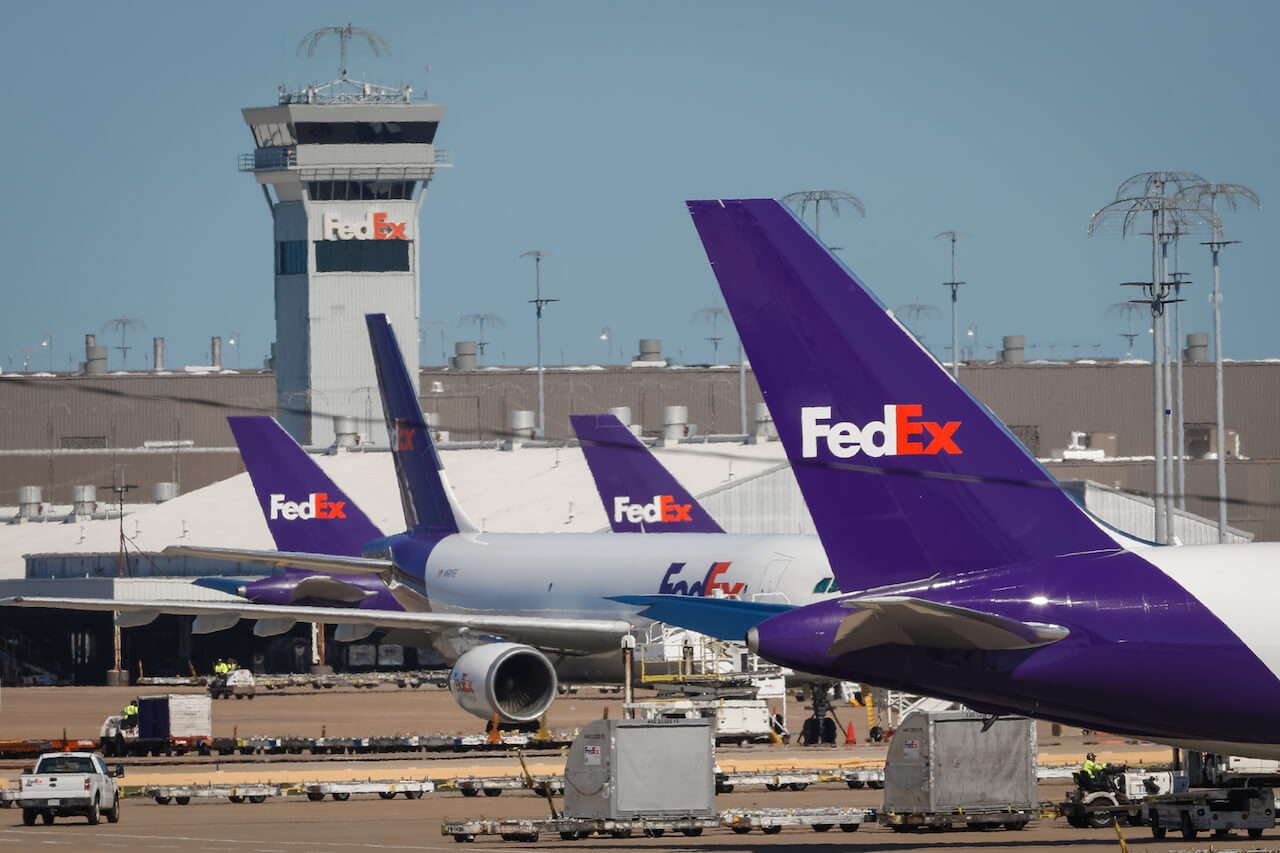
[344, 167]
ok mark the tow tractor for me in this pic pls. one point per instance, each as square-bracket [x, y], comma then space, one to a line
[1115, 794]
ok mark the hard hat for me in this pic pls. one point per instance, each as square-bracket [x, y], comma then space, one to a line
[1089, 756]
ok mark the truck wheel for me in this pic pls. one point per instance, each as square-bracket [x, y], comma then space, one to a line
[798, 786]
[741, 830]
[567, 835]
[1255, 832]
[623, 832]
[257, 798]
[1099, 820]
[163, 801]
[771, 830]
[1187, 828]
[822, 827]
[851, 827]
[691, 832]
[413, 795]
[182, 801]
[470, 792]
[387, 795]
[1157, 831]
[493, 792]
[315, 796]
[28, 817]
[341, 796]
[113, 813]
[94, 815]
[47, 817]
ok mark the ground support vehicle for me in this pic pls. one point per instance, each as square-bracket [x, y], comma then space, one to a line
[864, 777]
[742, 821]
[493, 786]
[1115, 794]
[167, 724]
[1216, 810]
[411, 789]
[737, 720]
[771, 821]
[775, 780]
[184, 794]
[991, 817]
[64, 784]
[238, 683]
[530, 830]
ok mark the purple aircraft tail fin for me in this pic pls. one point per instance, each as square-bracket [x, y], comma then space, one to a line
[428, 503]
[639, 494]
[904, 472]
[304, 509]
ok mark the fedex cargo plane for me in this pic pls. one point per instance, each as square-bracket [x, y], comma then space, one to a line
[509, 611]
[977, 578]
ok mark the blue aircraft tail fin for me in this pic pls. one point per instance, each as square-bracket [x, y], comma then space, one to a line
[429, 506]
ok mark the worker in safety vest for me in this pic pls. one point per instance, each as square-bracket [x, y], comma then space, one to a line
[1091, 767]
[220, 668]
[129, 717]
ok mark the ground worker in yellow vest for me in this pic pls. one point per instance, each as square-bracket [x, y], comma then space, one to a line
[129, 717]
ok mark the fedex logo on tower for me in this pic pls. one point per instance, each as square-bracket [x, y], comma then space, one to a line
[663, 508]
[374, 226]
[317, 505]
[902, 432]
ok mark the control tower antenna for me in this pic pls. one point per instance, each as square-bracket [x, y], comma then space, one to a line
[312, 39]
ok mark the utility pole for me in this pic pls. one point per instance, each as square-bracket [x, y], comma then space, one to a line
[1158, 293]
[1197, 194]
[955, 287]
[539, 302]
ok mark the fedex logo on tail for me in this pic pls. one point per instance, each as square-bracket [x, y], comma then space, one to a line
[902, 432]
[663, 508]
[317, 505]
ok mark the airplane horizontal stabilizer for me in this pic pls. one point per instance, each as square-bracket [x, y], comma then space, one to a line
[722, 618]
[292, 559]
[566, 634]
[231, 586]
[915, 622]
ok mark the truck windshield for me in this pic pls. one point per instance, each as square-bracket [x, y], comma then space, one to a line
[65, 764]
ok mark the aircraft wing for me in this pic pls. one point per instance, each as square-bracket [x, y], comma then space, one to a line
[916, 622]
[292, 559]
[559, 633]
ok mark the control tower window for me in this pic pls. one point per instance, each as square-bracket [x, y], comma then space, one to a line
[360, 190]
[291, 257]
[365, 132]
[363, 255]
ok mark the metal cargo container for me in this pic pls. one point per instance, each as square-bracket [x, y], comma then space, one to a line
[944, 762]
[621, 769]
[176, 715]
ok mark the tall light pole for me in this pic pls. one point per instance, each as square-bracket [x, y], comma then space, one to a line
[539, 302]
[47, 341]
[955, 287]
[1197, 194]
[234, 340]
[1158, 292]
[606, 335]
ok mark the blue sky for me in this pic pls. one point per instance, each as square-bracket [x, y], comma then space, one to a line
[579, 128]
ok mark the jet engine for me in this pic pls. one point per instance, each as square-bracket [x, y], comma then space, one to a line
[517, 682]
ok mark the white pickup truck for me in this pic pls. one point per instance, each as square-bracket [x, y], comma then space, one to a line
[69, 783]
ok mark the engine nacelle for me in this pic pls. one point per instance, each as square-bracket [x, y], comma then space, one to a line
[515, 681]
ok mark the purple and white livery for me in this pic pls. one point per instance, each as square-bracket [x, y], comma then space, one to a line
[639, 494]
[991, 586]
